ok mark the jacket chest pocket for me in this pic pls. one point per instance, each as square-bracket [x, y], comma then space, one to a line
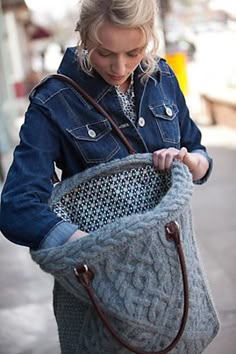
[166, 117]
[95, 141]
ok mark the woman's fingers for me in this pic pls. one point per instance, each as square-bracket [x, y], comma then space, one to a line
[168, 160]
[162, 159]
[156, 157]
[182, 154]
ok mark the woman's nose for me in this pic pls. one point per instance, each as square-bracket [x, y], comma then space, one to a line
[118, 66]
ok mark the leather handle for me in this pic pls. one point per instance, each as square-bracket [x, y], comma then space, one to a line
[85, 276]
[83, 93]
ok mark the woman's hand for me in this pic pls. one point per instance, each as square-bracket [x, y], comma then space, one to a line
[76, 235]
[197, 163]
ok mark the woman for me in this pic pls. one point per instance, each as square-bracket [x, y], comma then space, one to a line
[116, 63]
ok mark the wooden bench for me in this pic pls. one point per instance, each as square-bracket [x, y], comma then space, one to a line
[220, 107]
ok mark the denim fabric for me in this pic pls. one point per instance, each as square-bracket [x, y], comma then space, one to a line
[61, 127]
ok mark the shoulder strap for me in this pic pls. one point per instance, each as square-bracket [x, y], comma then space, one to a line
[87, 97]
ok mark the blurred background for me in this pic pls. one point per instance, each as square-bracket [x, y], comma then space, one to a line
[198, 39]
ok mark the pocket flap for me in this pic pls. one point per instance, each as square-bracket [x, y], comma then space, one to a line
[91, 132]
[164, 111]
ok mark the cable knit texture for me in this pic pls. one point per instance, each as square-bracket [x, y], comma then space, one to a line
[137, 276]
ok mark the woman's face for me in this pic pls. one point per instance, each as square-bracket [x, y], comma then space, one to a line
[119, 53]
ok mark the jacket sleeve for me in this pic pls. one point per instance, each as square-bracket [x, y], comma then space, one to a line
[190, 134]
[25, 217]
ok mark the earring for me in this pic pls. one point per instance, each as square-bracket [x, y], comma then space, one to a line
[85, 58]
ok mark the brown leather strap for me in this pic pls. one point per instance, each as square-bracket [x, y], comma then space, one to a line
[83, 93]
[85, 276]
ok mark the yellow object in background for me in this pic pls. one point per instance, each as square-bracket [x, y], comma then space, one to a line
[177, 62]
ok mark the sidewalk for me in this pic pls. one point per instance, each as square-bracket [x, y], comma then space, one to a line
[214, 206]
[26, 315]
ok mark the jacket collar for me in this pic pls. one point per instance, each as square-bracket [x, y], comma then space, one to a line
[70, 67]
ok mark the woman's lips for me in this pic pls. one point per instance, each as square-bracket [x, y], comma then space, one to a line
[116, 78]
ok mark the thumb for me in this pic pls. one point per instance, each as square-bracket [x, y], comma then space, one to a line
[183, 152]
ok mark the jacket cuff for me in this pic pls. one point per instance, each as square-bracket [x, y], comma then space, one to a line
[58, 235]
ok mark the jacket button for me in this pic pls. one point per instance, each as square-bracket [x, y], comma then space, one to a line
[141, 122]
[169, 112]
[92, 133]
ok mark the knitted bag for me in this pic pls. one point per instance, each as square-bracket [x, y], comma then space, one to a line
[137, 267]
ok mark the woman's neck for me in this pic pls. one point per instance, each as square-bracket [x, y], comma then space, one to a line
[125, 86]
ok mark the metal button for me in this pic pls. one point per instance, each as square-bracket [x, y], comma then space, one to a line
[141, 122]
[169, 111]
[92, 133]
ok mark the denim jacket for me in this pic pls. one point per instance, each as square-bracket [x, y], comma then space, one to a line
[62, 127]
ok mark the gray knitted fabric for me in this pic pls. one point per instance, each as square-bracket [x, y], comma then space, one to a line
[137, 273]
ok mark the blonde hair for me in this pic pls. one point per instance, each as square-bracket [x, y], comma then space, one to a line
[141, 14]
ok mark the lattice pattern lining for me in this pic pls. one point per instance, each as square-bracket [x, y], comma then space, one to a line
[101, 201]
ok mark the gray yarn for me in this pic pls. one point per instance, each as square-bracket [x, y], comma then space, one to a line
[137, 275]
